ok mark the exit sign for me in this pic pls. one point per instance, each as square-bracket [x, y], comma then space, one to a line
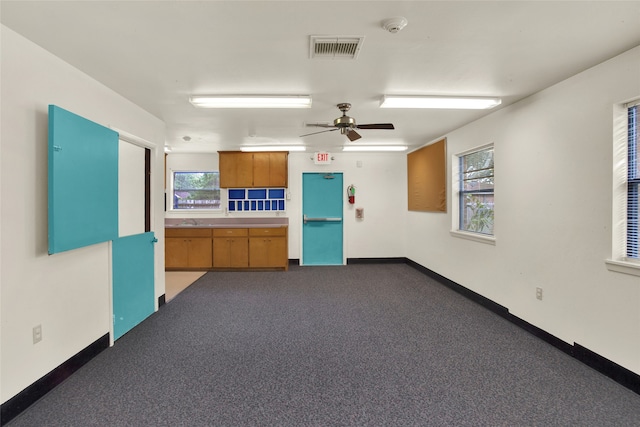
[322, 158]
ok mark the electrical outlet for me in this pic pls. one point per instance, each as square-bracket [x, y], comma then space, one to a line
[37, 334]
[539, 293]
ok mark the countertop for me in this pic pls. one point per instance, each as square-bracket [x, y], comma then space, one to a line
[226, 222]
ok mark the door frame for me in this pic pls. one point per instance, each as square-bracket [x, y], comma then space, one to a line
[159, 234]
[301, 213]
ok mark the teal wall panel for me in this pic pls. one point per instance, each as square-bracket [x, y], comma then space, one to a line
[83, 181]
[133, 281]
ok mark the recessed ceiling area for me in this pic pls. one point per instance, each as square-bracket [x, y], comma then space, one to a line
[158, 54]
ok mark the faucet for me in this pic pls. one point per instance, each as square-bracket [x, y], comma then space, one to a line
[194, 221]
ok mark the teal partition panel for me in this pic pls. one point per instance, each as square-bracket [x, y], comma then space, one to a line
[133, 281]
[83, 181]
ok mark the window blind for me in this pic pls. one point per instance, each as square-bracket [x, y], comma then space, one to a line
[633, 182]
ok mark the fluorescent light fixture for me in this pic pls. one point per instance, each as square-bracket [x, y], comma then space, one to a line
[374, 148]
[251, 101]
[274, 148]
[445, 102]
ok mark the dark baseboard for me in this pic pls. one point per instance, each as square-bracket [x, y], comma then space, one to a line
[162, 300]
[618, 373]
[542, 334]
[294, 261]
[14, 406]
[474, 296]
[396, 260]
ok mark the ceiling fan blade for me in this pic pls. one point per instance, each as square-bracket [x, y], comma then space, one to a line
[315, 133]
[353, 135]
[320, 125]
[376, 126]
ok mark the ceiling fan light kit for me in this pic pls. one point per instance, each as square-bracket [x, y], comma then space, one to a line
[251, 101]
[442, 102]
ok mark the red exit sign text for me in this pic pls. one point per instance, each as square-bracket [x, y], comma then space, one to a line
[322, 158]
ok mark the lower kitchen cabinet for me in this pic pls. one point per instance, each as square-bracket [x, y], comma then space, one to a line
[187, 248]
[230, 248]
[226, 248]
[268, 248]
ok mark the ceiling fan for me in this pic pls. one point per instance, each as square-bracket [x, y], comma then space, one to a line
[347, 125]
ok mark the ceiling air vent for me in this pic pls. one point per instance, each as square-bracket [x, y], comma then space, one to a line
[335, 47]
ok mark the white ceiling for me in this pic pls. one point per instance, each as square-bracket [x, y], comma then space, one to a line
[157, 53]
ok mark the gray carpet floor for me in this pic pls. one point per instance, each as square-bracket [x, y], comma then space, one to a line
[356, 345]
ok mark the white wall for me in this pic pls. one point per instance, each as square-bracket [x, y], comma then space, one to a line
[67, 293]
[553, 215]
[381, 191]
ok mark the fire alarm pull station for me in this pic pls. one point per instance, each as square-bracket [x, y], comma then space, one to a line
[351, 194]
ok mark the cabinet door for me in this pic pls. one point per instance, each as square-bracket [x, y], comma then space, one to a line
[239, 252]
[230, 252]
[261, 169]
[259, 252]
[175, 252]
[221, 252]
[236, 169]
[244, 170]
[268, 252]
[200, 252]
[227, 167]
[278, 169]
[270, 169]
[277, 252]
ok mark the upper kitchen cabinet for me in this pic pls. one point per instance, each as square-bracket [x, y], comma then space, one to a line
[236, 169]
[270, 169]
[246, 170]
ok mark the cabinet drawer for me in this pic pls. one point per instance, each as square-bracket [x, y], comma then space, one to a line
[225, 232]
[187, 232]
[280, 231]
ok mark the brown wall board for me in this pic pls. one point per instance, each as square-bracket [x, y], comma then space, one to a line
[426, 178]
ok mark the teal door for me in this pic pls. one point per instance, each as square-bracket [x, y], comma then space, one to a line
[322, 224]
[133, 284]
[83, 182]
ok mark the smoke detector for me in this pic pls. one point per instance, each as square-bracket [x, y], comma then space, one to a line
[395, 25]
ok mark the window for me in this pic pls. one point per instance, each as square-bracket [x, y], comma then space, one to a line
[196, 190]
[633, 182]
[475, 194]
[625, 256]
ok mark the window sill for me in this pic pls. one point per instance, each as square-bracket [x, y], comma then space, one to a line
[623, 266]
[482, 238]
